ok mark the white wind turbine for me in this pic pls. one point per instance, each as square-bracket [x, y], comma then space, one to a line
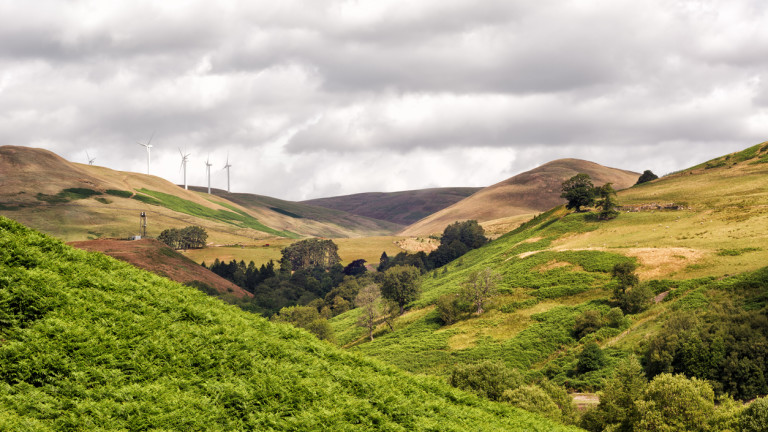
[208, 171]
[148, 146]
[184, 160]
[90, 159]
[227, 167]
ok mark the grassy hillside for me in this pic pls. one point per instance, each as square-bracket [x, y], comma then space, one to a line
[91, 343]
[78, 202]
[526, 194]
[404, 208]
[698, 236]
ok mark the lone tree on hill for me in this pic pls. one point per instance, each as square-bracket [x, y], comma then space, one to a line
[579, 191]
[480, 286]
[606, 202]
[401, 285]
[646, 176]
[368, 300]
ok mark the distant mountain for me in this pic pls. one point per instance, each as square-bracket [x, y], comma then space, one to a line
[76, 202]
[528, 193]
[402, 208]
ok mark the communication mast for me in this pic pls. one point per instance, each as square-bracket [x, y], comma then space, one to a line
[142, 225]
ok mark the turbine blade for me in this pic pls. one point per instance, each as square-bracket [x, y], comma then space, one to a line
[150, 137]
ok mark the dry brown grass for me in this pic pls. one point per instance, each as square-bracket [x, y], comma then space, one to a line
[525, 194]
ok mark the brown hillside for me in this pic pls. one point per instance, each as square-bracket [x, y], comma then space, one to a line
[158, 258]
[404, 208]
[527, 193]
[26, 173]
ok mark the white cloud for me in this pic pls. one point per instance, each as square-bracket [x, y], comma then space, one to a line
[341, 96]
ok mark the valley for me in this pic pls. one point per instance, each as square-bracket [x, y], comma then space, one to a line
[694, 243]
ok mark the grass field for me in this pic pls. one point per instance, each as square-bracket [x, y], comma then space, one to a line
[558, 265]
[350, 249]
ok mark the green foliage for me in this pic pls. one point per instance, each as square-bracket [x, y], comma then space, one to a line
[147, 199]
[588, 322]
[308, 318]
[191, 237]
[233, 216]
[579, 191]
[727, 345]
[119, 193]
[480, 286]
[401, 285]
[676, 403]
[646, 176]
[755, 417]
[310, 253]
[487, 379]
[534, 399]
[590, 359]
[618, 408]
[286, 213]
[636, 299]
[737, 252]
[450, 307]
[111, 347]
[368, 300]
[606, 202]
[67, 195]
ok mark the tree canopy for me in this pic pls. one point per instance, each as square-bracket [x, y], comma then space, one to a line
[579, 191]
[191, 237]
[646, 176]
[309, 253]
[401, 285]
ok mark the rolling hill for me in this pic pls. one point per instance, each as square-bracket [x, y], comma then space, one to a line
[523, 195]
[698, 237]
[91, 343]
[75, 202]
[404, 208]
[154, 256]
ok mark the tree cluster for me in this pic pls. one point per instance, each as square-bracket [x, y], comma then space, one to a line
[458, 238]
[311, 253]
[191, 237]
[646, 176]
[726, 346]
[580, 192]
[667, 403]
[495, 381]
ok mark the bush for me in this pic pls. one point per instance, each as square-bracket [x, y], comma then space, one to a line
[755, 417]
[615, 318]
[588, 322]
[534, 399]
[590, 359]
[676, 403]
[487, 379]
[636, 300]
[450, 307]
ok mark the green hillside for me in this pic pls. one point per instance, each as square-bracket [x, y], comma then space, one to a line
[698, 237]
[90, 343]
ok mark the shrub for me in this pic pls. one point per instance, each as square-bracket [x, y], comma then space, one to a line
[487, 379]
[637, 299]
[676, 403]
[450, 307]
[588, 322]
[615, 318]
[534, 399]
[590, 359]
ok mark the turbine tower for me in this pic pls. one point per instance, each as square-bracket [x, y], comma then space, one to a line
[208, 171]
[148, 146]
[184, 160]
[90, 159]
[226, 167]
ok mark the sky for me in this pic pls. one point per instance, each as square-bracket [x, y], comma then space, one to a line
[318, 98]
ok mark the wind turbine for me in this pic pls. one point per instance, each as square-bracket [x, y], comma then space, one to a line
[148, 146]
[226, 167]
[90, 159]
[184, 159]
[208, 171]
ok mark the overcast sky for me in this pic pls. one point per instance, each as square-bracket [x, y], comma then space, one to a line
[320, 97]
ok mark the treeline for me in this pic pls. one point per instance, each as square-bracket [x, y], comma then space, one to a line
[457, 239]
[308, 273]
[191, 237]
